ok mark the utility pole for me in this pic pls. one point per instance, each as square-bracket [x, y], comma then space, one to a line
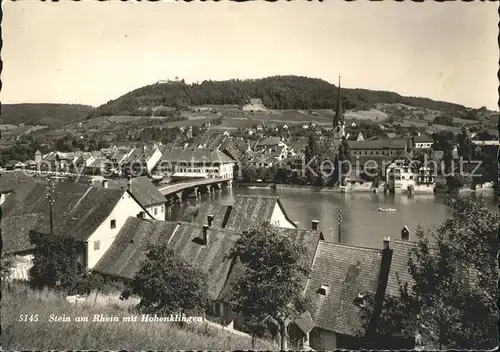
[50, 196]
[339, 218]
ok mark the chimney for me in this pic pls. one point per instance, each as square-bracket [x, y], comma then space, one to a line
[315, 224]
[210, 220]
[405, 233]
[205, 235]
[104, 183]
[383, 278]
[387, 242]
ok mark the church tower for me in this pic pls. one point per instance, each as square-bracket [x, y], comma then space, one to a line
[338, 120]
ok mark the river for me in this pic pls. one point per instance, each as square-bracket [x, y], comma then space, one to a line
[362, 224]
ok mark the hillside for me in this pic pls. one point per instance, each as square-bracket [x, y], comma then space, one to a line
[45, 335]
[51, 115]
[278, 93]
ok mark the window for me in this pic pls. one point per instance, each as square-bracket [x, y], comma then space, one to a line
[113, 224]
[97, 245]
[155, 211]
[323, 290]
[162, 208]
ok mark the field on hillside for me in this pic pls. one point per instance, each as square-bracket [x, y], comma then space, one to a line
[45, 335]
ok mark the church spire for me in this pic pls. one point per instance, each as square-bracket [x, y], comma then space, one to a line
[339, 118]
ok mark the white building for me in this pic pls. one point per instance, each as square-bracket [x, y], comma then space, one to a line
[423, 142]
[400, 176]
[196, 163]
[92, 216]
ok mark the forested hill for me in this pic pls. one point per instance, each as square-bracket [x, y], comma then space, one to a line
[278, 92]
[52, 115]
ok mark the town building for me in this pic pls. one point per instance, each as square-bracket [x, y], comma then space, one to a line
[92, 216]
[144, 191]
[274, 146]
[389, 147]
[195, 163]
[245, 212]
[141, 161]
[205, 247]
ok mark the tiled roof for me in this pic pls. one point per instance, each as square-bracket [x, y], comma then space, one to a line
[308, 238]
[128, 250]
[140, 155]
[16, 230]
[234, 154]
[212, 258]
[269, 141]
[220, 213]
[247, 210]
[399, 267]
[378, 144]
[13, 180]
[141, 188]
[347, 271]
[78, 209]
[196, 155]
[124, 257]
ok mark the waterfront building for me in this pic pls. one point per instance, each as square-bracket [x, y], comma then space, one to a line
[400, 176]
[195, 163]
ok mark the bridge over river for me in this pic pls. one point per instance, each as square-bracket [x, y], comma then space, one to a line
[182, 190]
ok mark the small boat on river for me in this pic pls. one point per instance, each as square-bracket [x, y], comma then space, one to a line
[386, 209]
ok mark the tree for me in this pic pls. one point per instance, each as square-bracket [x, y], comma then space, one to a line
[57, 262]
[445, 120]
[311, 158]
[168, 284]
[272, 285]
[452, 301]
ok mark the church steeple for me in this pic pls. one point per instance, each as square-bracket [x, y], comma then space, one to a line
[339, 116]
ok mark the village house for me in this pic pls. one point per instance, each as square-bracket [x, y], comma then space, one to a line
[203, 246]
[196, 163]
[224, 307]
[141, 161]
[91, 215]
[245, 212]
[274, 145]
[144, 191]
[14, 165]
[341, 275]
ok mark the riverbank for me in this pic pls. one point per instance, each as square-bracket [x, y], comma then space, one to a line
[302, 188]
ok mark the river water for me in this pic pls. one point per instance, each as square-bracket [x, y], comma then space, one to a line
[362, 224]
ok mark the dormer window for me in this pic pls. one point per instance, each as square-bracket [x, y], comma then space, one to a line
[323, 290]
[360, 300]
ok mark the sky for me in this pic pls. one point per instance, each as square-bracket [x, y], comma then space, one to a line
[91, 52]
